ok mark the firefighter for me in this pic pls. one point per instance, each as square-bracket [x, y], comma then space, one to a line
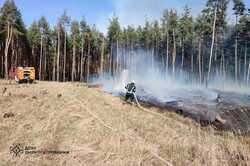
[219, 99]
[131, 89]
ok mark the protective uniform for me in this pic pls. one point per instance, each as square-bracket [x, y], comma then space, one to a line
[131, 89]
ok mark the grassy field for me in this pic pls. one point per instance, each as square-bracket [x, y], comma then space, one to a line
[99, 129]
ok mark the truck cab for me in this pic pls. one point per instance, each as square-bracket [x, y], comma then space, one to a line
[24, 74]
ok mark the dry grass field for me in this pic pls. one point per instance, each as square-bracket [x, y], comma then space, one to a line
[99, 129]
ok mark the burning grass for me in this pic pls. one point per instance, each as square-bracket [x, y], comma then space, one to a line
[99, 129]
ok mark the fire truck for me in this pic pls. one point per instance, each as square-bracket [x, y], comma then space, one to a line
[23, 74]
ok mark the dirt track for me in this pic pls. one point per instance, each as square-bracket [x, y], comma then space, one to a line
[98, 129]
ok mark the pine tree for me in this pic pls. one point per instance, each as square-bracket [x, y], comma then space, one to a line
[88, 45]
[53, 52]
[165, 30]
[34, 41]
[202, 28]
[65, 21]
[215, 7]
[217, 10]
[83, 30]
[59, 30]
[132, 43]
[239, 8]
[75, 40]
[114, 32]
[44, 35]
[102, 56]
[13, 30]
[244, 36]
[173, 18]
[155, 42]
[185, 32]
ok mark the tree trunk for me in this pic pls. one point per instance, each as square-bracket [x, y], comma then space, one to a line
[182, 54]
[58, 57]
[17, 55]
[6, 49]
[2, 66]
[12, 60]
[199, 60]
[88, 56]
[54, 69]
[216, 63]
[78, 60]
[239, 68]
[81, 70]
[224, 66]
[152, 57]
[216, 47]
[102, 57]
[64, 55]
[45, 63]
[117, 56]
[192, 62]
[54, 63]
[132, 65]
[212, 46]
[248, 74]
[40, 58]
[32, 53]
[111, 58]
[236, 52]
[174, 55]
[245, 62]
[221, 66]
[109, 64]
[126, 55]
[167, 54]
[73, 72]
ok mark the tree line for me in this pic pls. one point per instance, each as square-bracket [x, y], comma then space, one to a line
[206, 47]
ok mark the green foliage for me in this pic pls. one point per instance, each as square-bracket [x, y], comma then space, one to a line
[114, 30]
[75, 32]
[44, 28]
[65, 19]
[203, 24]
[10, 14]
[239, 7]
[34, 34]
[11, 18]
[186, 25]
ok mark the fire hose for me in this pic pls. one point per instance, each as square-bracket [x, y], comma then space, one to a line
[136, 100]
[83, 105]
[146, 110]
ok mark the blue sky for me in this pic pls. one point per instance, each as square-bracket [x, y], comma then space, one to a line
[98, 12]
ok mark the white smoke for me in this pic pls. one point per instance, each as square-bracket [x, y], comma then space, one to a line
[153, 80]
[134, 12]
[150, 76]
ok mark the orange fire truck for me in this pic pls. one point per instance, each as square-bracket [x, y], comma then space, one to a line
[23, 74]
